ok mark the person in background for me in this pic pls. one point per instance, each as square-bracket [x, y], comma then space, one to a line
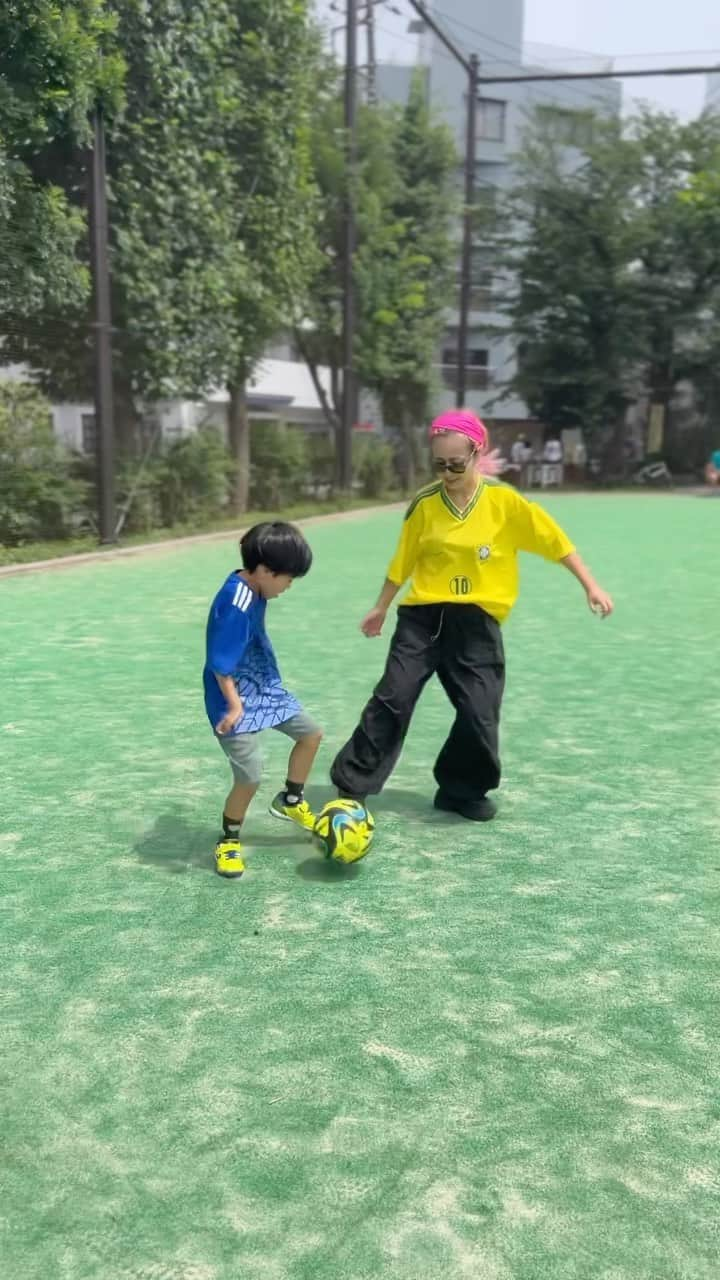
[712, 470]
[579, 461]
[552, 472]
[520, 455]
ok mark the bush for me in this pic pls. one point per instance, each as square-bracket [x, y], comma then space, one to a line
[40, 497]
[192, 478]
[280, 465]
[321, 453]
[373, 465]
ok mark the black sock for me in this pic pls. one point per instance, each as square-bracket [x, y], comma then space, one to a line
[231, 827]
[294, 792]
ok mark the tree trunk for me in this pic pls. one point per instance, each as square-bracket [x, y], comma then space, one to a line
[408, 459]
[126, 420]
[662, 387]
[239, 447]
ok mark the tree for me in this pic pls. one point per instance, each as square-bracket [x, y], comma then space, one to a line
[38, 493]
[211, 207]
[405, 273]
[610, 267]
[403, 262]
[678, 215]
[566, 241]
[55, 60]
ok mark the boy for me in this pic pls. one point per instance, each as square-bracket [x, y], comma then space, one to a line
[243, 690]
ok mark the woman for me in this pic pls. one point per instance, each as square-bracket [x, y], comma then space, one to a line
[458, 547]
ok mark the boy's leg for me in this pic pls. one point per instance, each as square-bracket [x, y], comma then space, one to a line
[290, 803]
[237, 805]
[472, 674]
[365, 763]
[244, 757]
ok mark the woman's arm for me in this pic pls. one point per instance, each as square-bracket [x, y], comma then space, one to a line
[599, 601]
[373, 622]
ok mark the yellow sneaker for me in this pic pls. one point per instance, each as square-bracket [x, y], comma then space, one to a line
[228, 860]
[301, 814]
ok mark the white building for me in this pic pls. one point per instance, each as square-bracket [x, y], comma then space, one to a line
[281, 388]
[495, 33]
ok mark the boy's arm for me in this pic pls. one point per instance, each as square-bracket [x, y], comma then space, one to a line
[234, 703]
[228, 634]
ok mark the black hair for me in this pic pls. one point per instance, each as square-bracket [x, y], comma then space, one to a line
[280, 547]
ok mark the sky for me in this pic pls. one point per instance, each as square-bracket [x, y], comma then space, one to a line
[655, 32]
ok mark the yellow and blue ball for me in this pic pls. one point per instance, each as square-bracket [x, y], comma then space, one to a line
[343, 831]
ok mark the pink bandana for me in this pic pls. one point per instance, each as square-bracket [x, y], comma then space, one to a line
[463, 421]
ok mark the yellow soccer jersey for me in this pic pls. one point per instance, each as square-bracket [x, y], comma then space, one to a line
[470, 556]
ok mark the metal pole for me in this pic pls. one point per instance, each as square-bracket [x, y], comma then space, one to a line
[105, 434]
[468, 229]
[349, 401]
[371, 57]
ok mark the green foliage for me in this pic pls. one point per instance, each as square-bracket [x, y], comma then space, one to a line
[280, 467]
[192, 478]
[211, 203]
[56, 61]
[186, 483]
[373, 466]
[405, 256]
[405, 271]
[613, 268]
[39, 495]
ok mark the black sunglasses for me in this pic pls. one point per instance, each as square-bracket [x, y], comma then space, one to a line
[455, 466]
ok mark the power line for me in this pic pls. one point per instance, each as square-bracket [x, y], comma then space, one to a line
[583, 99]
[640, 72]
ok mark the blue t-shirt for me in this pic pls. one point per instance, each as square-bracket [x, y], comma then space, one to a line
[237, 645]
[715, 459]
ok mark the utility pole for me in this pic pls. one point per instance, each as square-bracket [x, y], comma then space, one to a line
[371, 55]
[468, 229]
[105, 433]
[349, 393]
[471, 67]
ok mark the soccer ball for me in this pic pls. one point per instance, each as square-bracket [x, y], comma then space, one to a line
[344, 830]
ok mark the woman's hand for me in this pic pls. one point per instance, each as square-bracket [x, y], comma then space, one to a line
[600, 602]
[373, 622]
[490, 464]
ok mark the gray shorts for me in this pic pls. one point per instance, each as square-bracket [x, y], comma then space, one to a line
[243, 749]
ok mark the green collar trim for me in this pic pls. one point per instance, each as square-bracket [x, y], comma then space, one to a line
[428, 492]
[455, 511]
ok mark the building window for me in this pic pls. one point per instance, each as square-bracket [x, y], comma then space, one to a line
[491, 116]
[481, 279]
[88, 426]
[569, 128]
[477, 372]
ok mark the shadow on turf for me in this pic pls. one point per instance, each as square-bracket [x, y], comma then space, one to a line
[394, 800]
[177, 846]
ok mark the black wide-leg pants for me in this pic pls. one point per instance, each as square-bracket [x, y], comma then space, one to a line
[463, 646]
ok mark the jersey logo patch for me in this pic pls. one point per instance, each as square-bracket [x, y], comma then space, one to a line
[483, 553]
[461, 586]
